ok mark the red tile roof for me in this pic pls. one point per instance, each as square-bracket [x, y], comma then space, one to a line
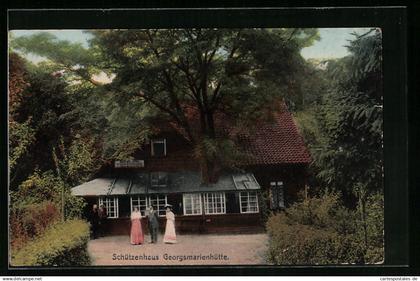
[278, 142]
[273, 142]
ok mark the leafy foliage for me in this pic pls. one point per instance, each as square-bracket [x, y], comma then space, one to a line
[76, 163]
[30, 220]
[184, 76]
[42, 118]
[63, 244]
[17, 82]
[41, 187]
[320, 230]
[21, 136]
[65, 124]
[344, 130]
[351, 117]
[63, 58]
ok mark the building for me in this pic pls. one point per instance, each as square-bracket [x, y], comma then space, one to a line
[164, 172]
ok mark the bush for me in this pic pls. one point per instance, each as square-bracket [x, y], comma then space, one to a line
[294, 243]
[375, 228]
[40, 187]
[73, 206]
[265, 211]
[326, 210]
[320, 230]
[28, 221]
[63, 244]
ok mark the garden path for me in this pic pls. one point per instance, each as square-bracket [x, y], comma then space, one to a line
[232, 249]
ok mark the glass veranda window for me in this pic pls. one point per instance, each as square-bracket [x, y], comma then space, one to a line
[158, 202]
[140, 202]
[111, 206]
[248, 202]
[215, 203]
[192, 204]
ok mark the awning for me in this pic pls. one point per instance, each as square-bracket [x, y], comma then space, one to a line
[180, 182]
[100, 186]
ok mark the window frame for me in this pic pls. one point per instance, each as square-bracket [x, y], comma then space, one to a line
[215, 200]
[279, 186]
[158, 208]
[159, 174]
[248, 207]
[153, 141]
[184, 200]
[105, 200]
[139, 205]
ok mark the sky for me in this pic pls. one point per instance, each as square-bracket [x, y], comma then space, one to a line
[331, 45]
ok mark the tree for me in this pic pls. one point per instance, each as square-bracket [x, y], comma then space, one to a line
[193, 77]
[350, 159]
[352, 118]
[21, 135]
[190, 78]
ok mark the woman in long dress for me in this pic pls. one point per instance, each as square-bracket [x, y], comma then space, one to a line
[170, 236]
[136, 235]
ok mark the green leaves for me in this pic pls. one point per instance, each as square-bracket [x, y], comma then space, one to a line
[74, 61]
[21, 136]
[351, 119]
[183, 76]
[63, 244]
[320, 230]
[48, 46]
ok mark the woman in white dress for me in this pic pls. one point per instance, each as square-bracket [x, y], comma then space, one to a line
[170, 235]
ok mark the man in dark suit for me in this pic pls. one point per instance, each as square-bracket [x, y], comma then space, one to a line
[153, 220]
[102, 219]
[94, 221]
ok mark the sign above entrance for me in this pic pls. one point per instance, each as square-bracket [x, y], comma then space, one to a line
[129, 164]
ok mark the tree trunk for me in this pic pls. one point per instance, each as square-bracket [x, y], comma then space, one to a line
[208, 166]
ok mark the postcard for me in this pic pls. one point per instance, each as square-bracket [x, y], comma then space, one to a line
[202, 146]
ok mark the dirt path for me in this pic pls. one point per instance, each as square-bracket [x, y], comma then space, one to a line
[190, 250]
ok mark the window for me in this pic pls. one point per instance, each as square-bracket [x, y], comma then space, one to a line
[158, 179]
[111, 206]
[192, 204]
[214, 203]
[158, 147]
[139, 202]
[158, 202]
[276, 195]
[248, 202]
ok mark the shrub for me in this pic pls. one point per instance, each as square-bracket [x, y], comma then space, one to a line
[320, 230]
[265, 211]
[375, 228]
[73, 206]
[40, 187]
[63, 244]
[294, 243]
[28, 221]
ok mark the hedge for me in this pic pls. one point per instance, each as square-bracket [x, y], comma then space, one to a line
[320, 230]
[63, 244]
[29, 221]
[307, 245]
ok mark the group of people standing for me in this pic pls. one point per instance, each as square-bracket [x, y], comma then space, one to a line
[136, 233]
[98, 218]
